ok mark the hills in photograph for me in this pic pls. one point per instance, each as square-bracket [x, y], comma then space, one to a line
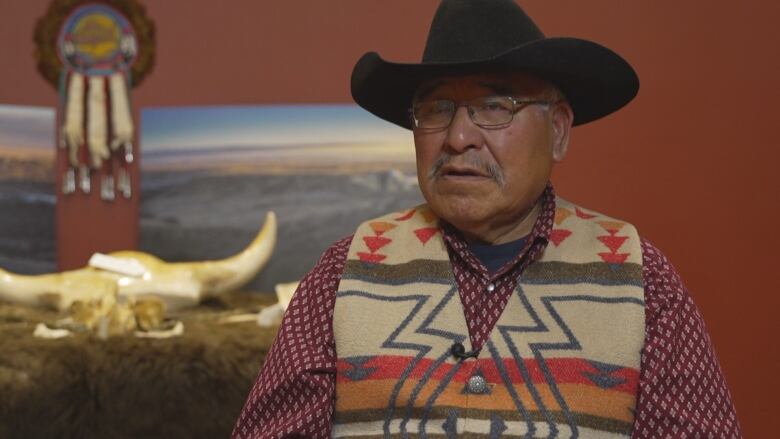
[210, 175]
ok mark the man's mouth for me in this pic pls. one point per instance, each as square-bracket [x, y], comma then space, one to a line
[466, 170]
[456, 171]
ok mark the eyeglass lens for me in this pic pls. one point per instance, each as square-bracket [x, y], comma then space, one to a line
[484, 111]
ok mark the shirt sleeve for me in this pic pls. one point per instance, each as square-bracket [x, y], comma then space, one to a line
[294, 393]
[682, 392]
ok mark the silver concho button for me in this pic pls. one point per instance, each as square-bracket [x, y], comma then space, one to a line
[477, 384]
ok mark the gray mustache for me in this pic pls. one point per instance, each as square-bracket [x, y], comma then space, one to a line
[473, 161]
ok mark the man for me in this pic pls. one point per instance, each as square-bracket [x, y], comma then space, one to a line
[497, 308]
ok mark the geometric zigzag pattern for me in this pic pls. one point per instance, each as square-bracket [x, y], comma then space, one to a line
[543, 377]
[529, 395]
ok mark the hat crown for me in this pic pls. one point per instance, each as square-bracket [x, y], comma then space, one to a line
[465, 31]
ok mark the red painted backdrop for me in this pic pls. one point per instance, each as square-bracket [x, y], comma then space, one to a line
[691, 161]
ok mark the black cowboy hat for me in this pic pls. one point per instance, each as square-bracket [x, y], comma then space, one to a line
[478, 36]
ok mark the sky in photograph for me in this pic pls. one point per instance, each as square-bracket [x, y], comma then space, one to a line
[343, 132]
[267, 126]
[186, 128]
[22, 126]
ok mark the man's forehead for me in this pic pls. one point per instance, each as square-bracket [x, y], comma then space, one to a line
[498, 83]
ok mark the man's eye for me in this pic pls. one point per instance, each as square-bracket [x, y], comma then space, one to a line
[440, 107]
[495, 105]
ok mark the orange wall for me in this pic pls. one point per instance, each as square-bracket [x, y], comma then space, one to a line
[691, 161]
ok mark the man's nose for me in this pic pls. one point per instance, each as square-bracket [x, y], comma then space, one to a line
[462, 133]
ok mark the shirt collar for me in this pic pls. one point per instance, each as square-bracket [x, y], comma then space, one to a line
[458, 248]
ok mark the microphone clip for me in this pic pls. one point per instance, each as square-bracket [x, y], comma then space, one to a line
[459, 352]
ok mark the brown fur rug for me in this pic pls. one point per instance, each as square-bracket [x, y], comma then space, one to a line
[191, 386]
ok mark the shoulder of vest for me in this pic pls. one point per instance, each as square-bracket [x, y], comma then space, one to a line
[581, 234]
[415, 230]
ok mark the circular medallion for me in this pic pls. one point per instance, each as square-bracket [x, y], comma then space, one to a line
[97, 40]
[477, 384]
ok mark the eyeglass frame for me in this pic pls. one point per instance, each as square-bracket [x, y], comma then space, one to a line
[517, 105]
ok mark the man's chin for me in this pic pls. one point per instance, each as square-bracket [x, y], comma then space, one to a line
[461, 212]
[462, 190]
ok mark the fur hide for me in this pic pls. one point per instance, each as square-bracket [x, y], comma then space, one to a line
[191, 386]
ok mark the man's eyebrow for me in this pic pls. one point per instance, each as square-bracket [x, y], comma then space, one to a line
[424, 90]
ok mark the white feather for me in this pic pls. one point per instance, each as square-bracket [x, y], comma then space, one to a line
[73, 123]
[97, 123]
[122, 122]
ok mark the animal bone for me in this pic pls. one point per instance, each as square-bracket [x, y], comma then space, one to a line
[273, 314]
[175, 331]
[284, 293]
[43, 331]
[107, 318]
[178, 285]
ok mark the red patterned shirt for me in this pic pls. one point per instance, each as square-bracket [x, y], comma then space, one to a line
[682, 392]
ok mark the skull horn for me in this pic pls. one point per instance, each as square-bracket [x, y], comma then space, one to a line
[219, 276]
[177, 284]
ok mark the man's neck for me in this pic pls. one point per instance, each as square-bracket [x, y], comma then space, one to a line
[492, 235]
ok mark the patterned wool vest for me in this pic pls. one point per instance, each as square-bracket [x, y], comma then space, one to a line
[562, 360]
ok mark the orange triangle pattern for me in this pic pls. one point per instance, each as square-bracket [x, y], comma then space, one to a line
[558, 235]
[561, 213]
[374, 243]
[425, 233]
[582, 214]
[380, 227]
[428, 216]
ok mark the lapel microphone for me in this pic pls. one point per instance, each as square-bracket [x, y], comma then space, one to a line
[459, 352]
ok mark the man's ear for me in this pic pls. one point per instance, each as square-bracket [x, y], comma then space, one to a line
[562, 118]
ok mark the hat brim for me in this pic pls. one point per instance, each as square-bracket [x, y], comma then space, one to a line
[595, 80]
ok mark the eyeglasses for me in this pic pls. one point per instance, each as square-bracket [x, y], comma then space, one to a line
[486, 112]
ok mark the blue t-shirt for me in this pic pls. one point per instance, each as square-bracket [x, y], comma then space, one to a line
[493, 257]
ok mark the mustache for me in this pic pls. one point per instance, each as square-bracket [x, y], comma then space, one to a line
[474, 161]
